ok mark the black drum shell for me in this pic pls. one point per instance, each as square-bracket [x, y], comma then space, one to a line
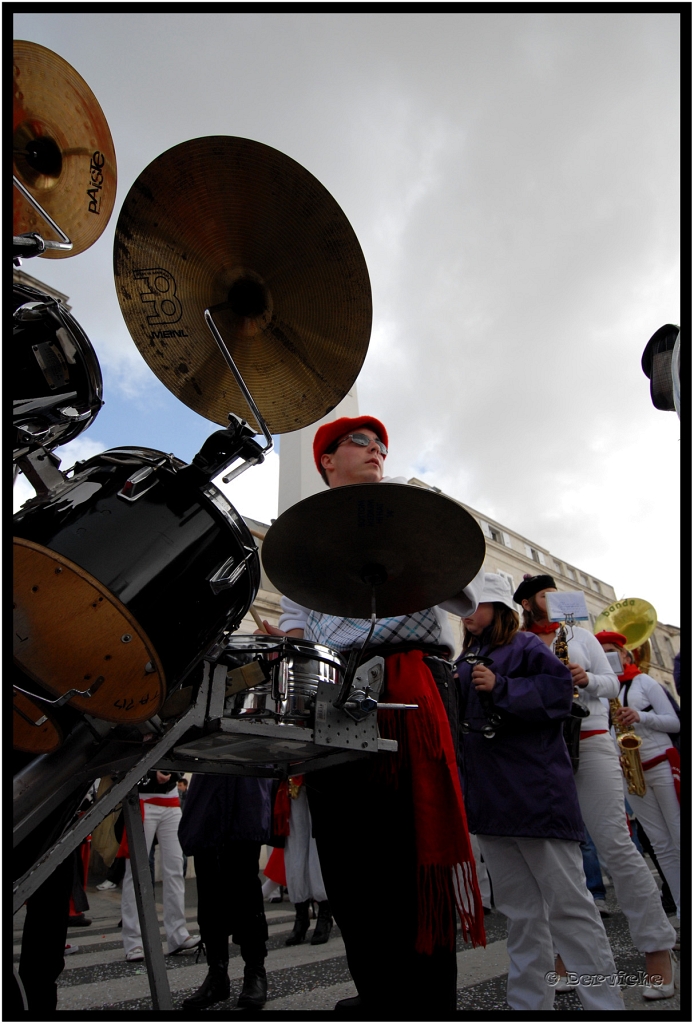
[29, 381]
[155, 554]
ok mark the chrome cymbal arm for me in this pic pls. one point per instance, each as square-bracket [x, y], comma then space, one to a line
[65, 245]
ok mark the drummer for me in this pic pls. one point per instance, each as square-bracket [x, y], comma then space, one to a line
[399, 816]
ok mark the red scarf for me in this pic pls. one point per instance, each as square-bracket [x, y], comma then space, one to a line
[425, 745]
[280, 817]
[275, 869]
[544, 627]
[629, 673]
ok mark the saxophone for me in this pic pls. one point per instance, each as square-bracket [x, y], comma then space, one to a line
[572, 724]
[629, 757]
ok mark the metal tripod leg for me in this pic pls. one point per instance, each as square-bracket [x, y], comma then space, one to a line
[146, 910]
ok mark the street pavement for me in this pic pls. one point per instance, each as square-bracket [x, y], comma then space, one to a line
[300, 978]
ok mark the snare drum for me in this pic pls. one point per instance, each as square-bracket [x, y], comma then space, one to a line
[292, 669]
[124, 578]
[57, 386]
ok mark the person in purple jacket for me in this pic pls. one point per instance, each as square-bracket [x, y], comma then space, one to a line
[521, 801]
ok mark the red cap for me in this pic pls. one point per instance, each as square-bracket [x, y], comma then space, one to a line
[606, 637]
[336, 429]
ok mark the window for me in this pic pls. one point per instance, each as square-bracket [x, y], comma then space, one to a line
[496, 535]
[557, 565]
[570, 573]
[669, 648]
[583, 578]
[595, 585]
[536, 555]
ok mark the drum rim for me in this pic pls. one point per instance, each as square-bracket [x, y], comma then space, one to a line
[272, 643]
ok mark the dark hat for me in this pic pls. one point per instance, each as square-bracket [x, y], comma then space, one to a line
[531, 585]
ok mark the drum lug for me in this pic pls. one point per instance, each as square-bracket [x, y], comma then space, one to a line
[228, 573]
[41, 470]
[141, 481]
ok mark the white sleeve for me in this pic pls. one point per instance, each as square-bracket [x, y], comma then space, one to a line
[663, 717]
[465, 603]
[294, 616]
[602, 680]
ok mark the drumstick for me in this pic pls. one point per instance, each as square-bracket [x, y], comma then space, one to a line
[258, 621]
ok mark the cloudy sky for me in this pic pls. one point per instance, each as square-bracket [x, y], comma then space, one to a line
[513, 181]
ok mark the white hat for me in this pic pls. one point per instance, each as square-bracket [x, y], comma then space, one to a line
[496, 588]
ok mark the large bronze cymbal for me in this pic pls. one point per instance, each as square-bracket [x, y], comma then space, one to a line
[324, 551]
[62, 150]
[229, 221]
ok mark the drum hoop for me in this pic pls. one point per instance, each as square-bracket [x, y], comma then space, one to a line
[284, 645]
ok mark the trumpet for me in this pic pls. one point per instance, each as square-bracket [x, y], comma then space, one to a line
[629, 756]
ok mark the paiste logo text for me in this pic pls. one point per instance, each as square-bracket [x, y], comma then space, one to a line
[96, 182]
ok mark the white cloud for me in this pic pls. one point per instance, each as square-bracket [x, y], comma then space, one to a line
[254, 494]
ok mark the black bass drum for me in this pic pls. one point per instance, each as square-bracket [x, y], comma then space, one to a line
[124, 578]
[57, 387]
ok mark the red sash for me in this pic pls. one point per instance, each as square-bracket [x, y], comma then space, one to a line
[160, 801]
[274, 869]
[442, 840]
[592, 732]
[673, 756]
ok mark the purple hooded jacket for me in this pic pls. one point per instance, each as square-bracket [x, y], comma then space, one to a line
[223, 808]
[520, 783]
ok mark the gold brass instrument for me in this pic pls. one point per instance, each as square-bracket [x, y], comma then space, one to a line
[635, 619]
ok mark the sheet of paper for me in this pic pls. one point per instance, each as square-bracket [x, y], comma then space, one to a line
[569, 602]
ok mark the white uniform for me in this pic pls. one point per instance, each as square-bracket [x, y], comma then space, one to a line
[599, 782]
[659, 810]
[162, 822]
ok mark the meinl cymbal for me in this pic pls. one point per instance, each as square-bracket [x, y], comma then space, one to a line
[62, 150]
[224, 221]
[418, 546]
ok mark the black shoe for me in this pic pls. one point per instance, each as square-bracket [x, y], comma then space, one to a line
[79, 921]
[324, 924]
[214, 989]
[301, 922]
[348, 1005]
[254, 992]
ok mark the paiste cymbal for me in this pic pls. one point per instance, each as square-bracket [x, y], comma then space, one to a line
[224, 220]
[62, 150]
[322, 551]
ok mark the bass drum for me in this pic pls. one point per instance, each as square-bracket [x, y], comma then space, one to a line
[57, 386]
[124, 578]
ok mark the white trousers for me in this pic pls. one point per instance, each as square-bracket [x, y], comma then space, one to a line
[301, 863]
[599, 782]
[482, 873]
[162, 822]
[659, 814]
[538, 881]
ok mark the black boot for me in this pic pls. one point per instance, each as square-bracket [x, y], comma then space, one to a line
[300, 925]
[254, 992]
[214, 989]
[321, 933]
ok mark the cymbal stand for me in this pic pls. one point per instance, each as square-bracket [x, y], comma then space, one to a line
[33, 244]
[228, 358]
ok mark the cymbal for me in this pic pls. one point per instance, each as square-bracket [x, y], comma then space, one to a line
[229, 221]
[424, 546]
[62, 150]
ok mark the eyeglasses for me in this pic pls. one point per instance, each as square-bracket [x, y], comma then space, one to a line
[364, 441]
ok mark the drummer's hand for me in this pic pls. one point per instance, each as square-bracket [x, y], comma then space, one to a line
[272, 630]
[163, 776]
[627, 716]
[483, 678]
[578, 674]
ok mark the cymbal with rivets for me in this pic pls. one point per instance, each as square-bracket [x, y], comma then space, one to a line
[231, 223]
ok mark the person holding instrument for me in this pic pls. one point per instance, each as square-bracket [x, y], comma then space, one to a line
[601, 794]
[521, 802]
[648, 711]
[411, 799]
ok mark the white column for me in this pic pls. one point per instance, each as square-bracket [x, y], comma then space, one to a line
[299, 477]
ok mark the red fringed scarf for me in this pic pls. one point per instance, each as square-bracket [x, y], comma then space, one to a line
[543, 627]
[443, 844]
[280, 817]
[630, 672]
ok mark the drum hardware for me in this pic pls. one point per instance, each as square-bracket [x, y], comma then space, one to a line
[231, 229]
[36, 245]
[64, 169]
[65, 697]
[225, 577]
[40, 467]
